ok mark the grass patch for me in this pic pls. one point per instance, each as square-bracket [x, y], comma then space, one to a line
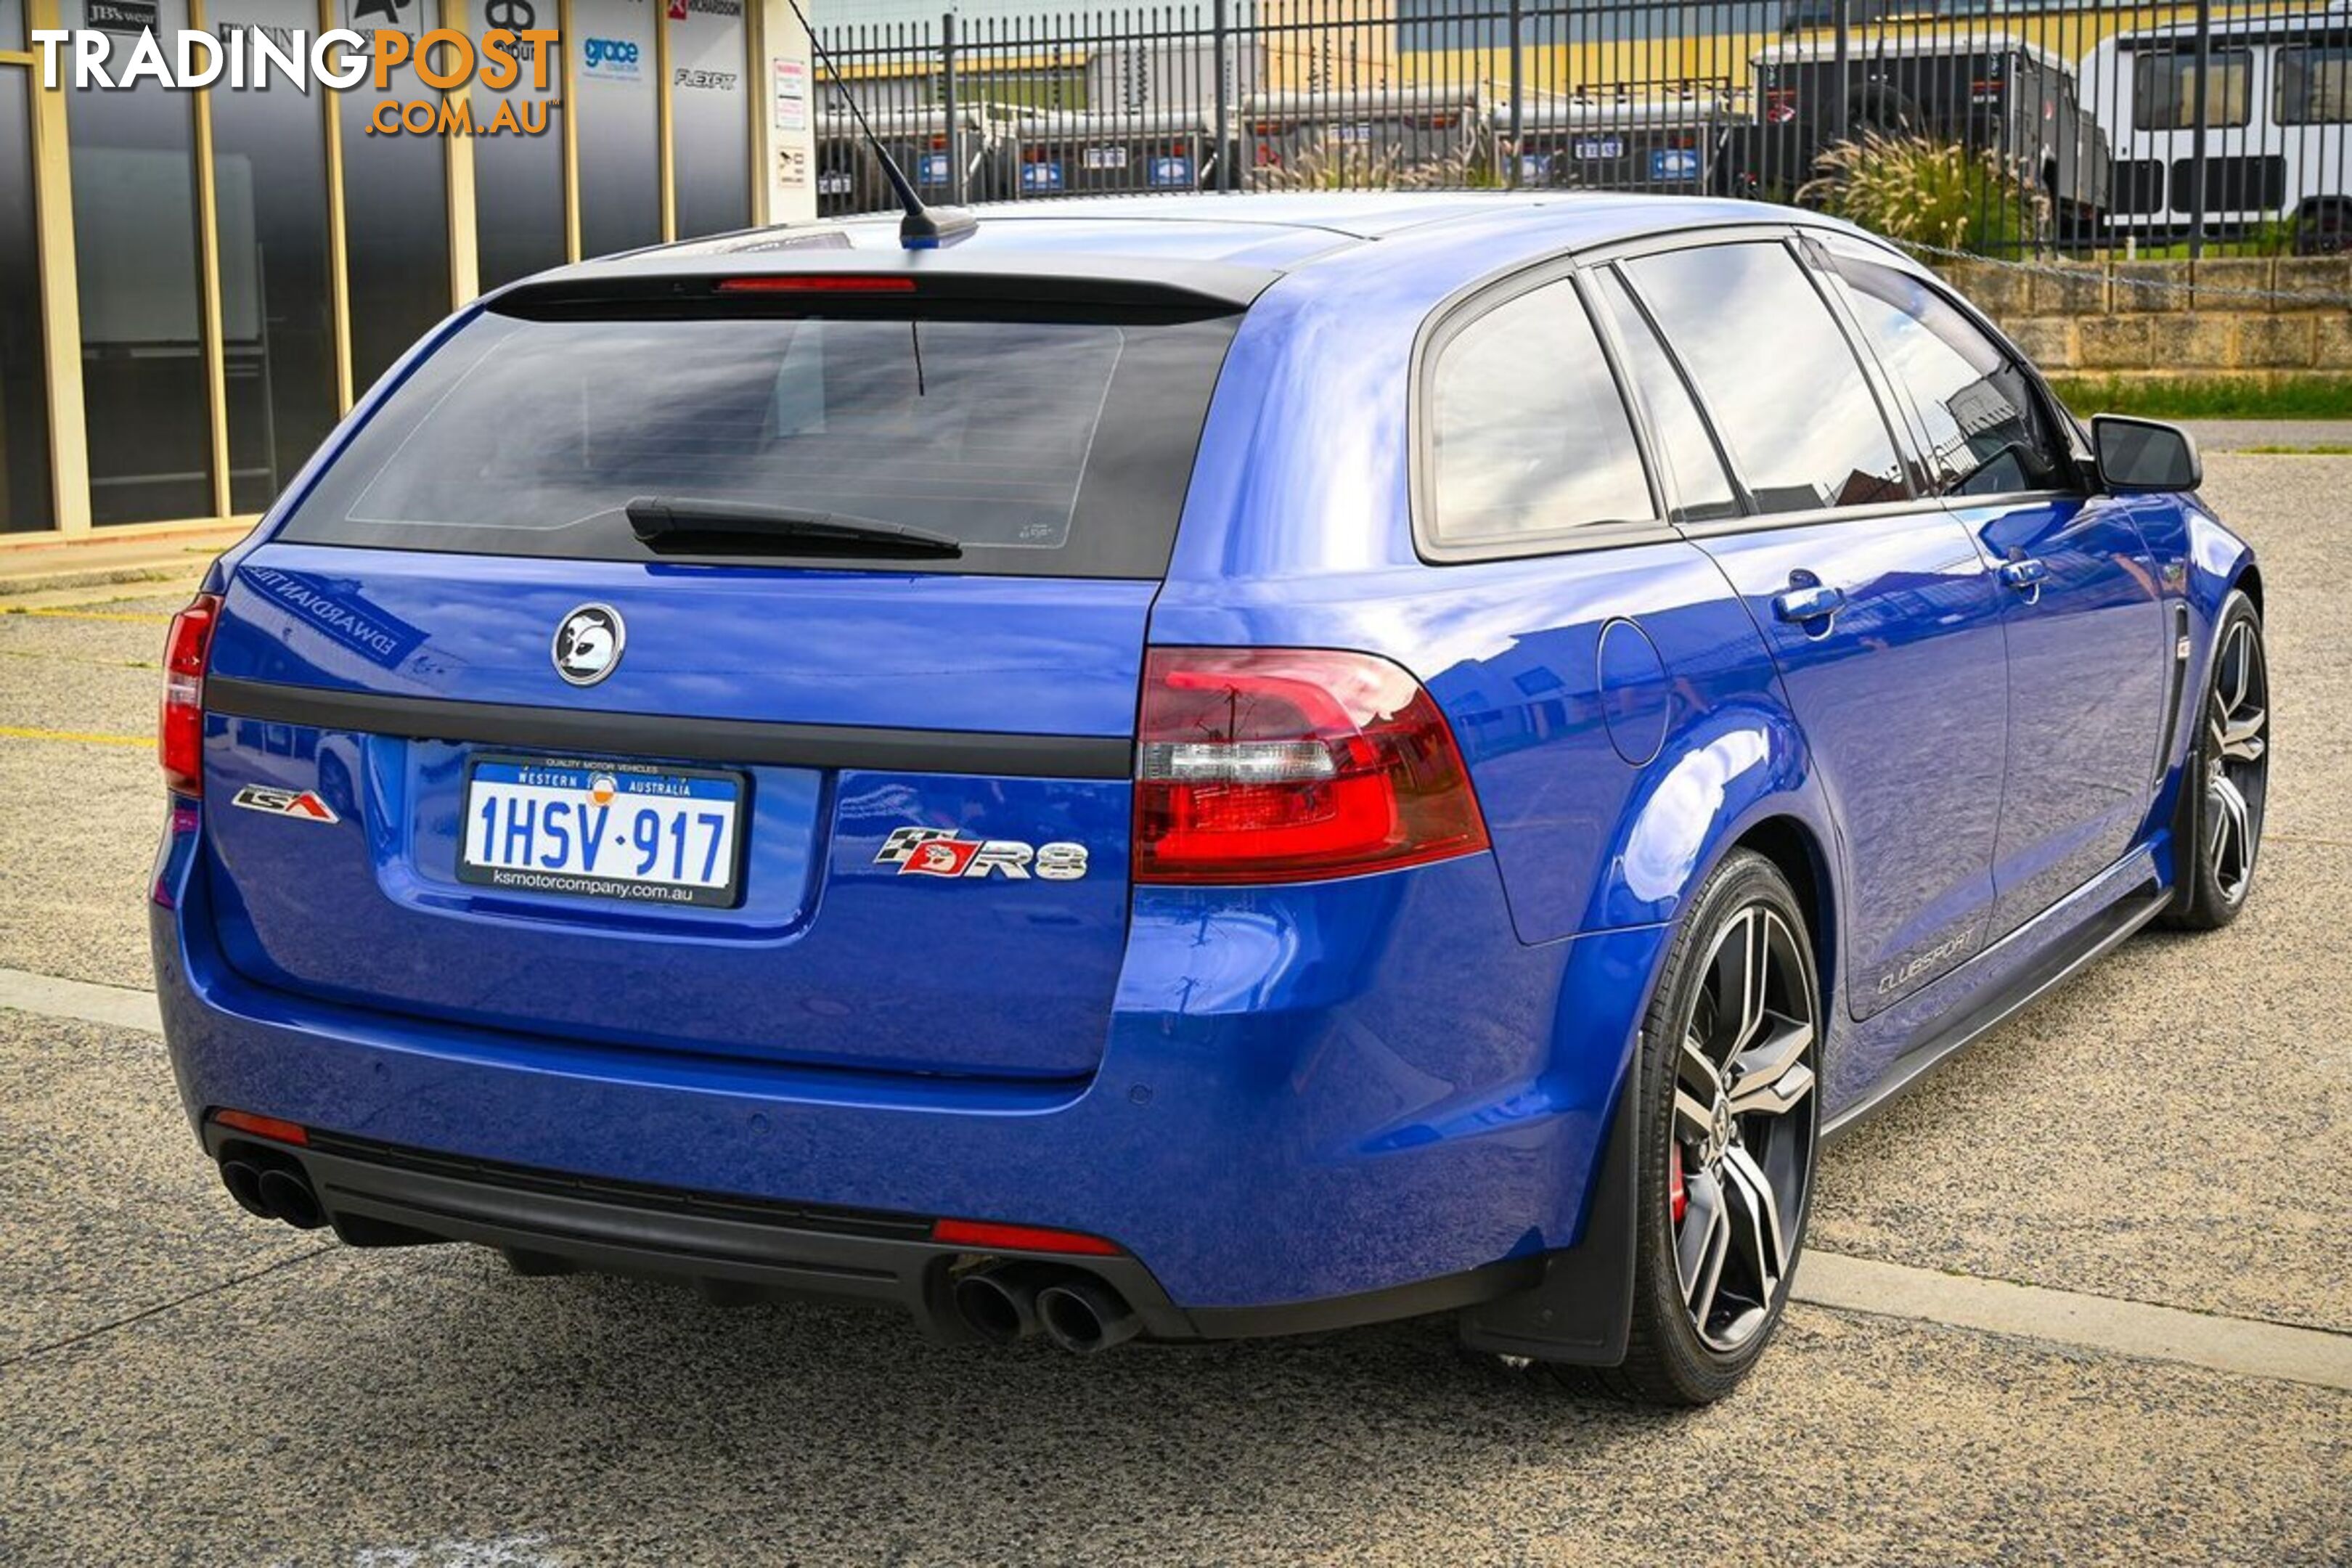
[2325, 449]
[2217, 397]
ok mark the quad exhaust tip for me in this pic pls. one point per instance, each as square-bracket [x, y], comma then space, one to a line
[273, 1191]
[1004, 1303]
[1083, 1315]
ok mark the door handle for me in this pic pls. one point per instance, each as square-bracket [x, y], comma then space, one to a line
[1815, 601]
[2024, 576]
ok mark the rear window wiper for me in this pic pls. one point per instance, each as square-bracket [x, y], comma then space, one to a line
[688, 519]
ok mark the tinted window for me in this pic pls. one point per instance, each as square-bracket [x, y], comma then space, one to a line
[395, 202]
[1783, 386]
[1702, 489]
[2315, 85]
[1986, 433]
[1527, 435]
[2164, 90]
[1046, 446]
[144, 389]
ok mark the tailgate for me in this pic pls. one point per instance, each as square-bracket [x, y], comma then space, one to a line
[848, 708]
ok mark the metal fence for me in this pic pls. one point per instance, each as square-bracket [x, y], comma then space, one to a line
[2017, 128]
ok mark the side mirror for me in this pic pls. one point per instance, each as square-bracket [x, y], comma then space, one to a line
[2140, 456]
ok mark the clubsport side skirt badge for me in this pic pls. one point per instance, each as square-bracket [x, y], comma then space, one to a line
[302, 803]
[939, 852]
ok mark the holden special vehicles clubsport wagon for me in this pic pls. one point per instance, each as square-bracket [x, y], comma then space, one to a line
[1185, 768]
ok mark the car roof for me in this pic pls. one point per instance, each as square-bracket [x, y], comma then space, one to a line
[1222, 247]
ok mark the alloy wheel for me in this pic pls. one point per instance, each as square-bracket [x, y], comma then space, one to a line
[1744, 1125]
[2237, 763]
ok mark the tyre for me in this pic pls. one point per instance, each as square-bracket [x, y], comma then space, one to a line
[2225, 783]
[1728, 1074]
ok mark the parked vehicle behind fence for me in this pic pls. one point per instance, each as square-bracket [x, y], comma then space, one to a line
[1996, 93]
[1349, 139]
[1059, 154]
[2278, 127]
[849, 179]
[1667, 145]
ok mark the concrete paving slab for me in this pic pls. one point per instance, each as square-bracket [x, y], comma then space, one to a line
[111, 1208]
[80, 694]
[101, 559]
[78, 826]
[371, 1402]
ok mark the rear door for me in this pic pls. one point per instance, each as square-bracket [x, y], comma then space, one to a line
[829, 801]
[1881, 614]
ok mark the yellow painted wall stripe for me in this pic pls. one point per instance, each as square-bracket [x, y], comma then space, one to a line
[18, 732]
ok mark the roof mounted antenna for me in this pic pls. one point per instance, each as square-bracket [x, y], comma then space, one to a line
[923, 228]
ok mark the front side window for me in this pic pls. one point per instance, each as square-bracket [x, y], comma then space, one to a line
[1776, 373]
[2164, 90]
[2315, 85]
[1986, 432]
[1528, 437]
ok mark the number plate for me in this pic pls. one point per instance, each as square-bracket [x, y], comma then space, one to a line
[646, 835]
[1594, 148]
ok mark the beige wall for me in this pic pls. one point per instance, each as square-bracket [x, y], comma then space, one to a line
[2152, 318]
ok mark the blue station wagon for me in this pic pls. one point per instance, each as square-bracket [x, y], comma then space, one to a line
[1185, 768]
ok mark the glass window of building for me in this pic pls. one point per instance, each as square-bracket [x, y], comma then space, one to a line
[145, 393]
[619, 136]
[24, 387]
[395, 202]
[269, 177]
[11, 24]
[518, 180]
[710, 114]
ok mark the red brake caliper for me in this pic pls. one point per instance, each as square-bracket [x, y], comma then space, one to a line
[1676, 1196]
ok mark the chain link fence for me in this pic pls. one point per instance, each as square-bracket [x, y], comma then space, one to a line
[2002, 130]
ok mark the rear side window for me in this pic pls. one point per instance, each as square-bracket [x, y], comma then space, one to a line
[1528, 437]
[1703, 492]
[1047, 447]
[1986, 433]
[1776, 373]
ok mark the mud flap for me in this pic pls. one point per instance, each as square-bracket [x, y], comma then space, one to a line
[1581, 1310]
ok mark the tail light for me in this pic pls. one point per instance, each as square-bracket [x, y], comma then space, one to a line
[1283, 764]
[180, 725]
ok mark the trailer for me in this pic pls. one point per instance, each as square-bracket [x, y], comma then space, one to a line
[848, 179]
[1987, 92]
[1354, 139]
[1055, 154]
[1664, 144]
[2278, 128]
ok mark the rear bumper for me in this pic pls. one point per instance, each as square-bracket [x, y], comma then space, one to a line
[1310, 1099]
[736, 1249]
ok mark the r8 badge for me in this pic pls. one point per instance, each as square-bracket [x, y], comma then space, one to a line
[940, 852]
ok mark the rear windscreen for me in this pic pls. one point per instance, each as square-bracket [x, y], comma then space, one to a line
[1045, 446]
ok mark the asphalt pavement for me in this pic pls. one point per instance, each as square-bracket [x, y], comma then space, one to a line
[180, 1384]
